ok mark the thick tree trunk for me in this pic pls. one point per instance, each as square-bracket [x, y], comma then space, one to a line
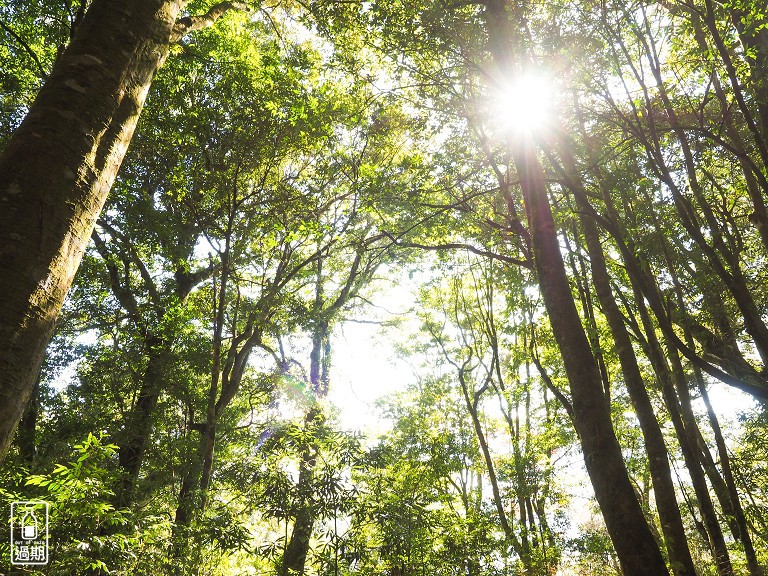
[55, 174]
[632, 538]
[296, 551]
[297, 548]
[26, 438]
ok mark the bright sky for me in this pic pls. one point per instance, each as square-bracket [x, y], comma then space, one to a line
[366, 365]
[365, 369]
[526, 105]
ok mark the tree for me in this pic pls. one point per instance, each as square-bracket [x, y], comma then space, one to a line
[487, 354]
[55, 179]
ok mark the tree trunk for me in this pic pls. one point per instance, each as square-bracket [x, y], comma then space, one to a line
[56, 172]
[754, 37]
[724, 486]
[26, 438]
[138, 428]
[707, 507]
[684, 423]
[633, 540]
[180, 538]
[658, 457]
[471, 399]
[296, 551]
[725, 462]
[630, 533]
[297, 548]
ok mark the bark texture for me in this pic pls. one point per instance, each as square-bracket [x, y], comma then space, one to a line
[56, 172]
[672, 525]
[138, 428]
[295, 557]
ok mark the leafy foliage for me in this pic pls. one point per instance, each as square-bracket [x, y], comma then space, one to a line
[294, 161]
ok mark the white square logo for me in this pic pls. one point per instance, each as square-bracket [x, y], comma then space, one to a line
[29, 533]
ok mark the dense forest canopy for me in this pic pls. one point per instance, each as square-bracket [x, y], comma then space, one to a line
[218, 220]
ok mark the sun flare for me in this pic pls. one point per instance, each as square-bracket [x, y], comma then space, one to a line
[525, 105]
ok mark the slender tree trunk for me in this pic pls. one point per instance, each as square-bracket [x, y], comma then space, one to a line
[635, 545]
[138, 428]
[55, 174]
[658, 457]
[471, 400]
[208, 441]
[725, 462]
[719, 548]
[685, 428]
[760, 215]
[522, 489]
[196, 481]
[723, 485]
[194, 487]
[753, 34]
[717, 482]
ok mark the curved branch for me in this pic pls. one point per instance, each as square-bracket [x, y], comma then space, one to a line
[460, 246]
[192, 23]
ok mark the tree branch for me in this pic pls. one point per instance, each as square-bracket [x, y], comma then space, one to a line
[191, 23]
[143, 272]
[122, 293]
[27, 49]
[460, 246]
[186, 281]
